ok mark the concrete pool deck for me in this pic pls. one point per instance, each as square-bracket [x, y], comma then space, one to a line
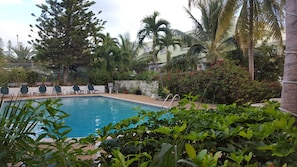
[128, 97]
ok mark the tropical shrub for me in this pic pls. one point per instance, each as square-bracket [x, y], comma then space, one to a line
[32, 78]
[21, 145]
[229, 135]
[99, 77]
[146, 76]
[223, 83]
[269, 64]
[4, 78]
[17, 75]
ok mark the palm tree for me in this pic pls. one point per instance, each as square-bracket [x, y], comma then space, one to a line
[106, 53]
[167, 41]
[153, 29]
[255, 19]
[289, 89]
[24, 56]
[210, 39]
[128, 51]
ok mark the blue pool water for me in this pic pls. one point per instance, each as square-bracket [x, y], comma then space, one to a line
[90, 113]
[87, 114]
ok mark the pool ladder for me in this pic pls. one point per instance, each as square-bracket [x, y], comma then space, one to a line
[173, 98]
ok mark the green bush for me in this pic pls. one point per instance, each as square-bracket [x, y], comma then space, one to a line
[229, 135]
[146, 75]
[17, 75]
[223, 83]
[21, 145]
[4, 78]
[32, 78]
[99, 77]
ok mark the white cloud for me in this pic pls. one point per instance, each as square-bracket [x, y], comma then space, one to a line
[125, 16]
[38, 1]
[122, 16]
[13, 29]
[11, 2]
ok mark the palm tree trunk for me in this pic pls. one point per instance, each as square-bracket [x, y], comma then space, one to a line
[289, 89]
[251, 39]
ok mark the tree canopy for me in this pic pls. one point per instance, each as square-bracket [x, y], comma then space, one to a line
[67, 31]
[154, 29]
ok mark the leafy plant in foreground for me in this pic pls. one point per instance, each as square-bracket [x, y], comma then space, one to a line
[20, 144]
[229, 135]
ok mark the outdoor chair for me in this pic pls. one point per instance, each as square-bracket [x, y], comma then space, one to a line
[24, 90]
[77, 90]
[91, 89]
[42, 89]
[58, 89]
[116, 87]
[4, 90]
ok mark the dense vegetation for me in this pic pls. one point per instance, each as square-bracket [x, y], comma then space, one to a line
[232, 134]
[187, 135]
[229, 135]
[20, 145]
[222, 83]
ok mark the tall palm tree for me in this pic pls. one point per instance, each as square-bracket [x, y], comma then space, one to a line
[153, 29]
[107, 53]
[24, 56]
[210, 39]
[289, 89]
[255, 19]
[128, 51]
[167, 41]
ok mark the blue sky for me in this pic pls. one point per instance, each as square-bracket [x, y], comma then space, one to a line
[122, 16]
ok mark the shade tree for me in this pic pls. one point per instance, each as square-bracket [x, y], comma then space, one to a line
[66, 33]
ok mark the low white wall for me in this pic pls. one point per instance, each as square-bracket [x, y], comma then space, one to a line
[50, 90]
[147, 88]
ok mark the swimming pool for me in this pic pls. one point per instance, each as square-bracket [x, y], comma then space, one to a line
[90, 113]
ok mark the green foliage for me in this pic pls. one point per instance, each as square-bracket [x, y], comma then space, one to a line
[268, 64]
[18, 75]
[155, 29]
[20, 143]
[68, 32]
[222, 83]
[99, 76]
[202, 159]
[4, 78]
[24, 54]
[146, 75]
[32, 77]
[229, 135]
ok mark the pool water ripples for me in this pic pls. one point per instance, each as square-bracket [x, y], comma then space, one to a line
[87, 114]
